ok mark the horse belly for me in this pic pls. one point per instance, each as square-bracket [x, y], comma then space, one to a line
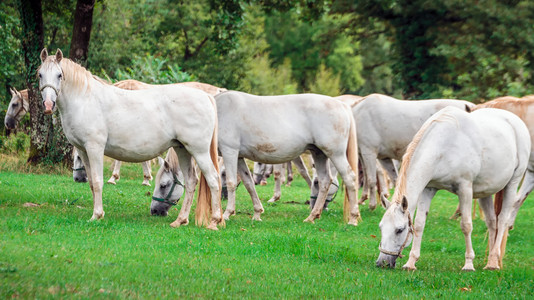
[270, 154]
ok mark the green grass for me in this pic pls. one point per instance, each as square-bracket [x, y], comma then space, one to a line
[53, 251]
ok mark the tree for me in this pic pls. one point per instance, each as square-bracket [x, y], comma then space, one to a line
[81, 32]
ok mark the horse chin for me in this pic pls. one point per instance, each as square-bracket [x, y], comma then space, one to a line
[386, 261]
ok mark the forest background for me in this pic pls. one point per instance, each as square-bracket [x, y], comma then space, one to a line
[472, 50]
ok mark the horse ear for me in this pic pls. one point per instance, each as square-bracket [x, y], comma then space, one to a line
[161, 161]
[404, 204]
[385, 201]
[13, 91]
[44, 55]
[59, 55]
[467, 108]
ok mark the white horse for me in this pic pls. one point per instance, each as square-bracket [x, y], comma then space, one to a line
[385, 128]
[277, 129]
[132, 84]
[100, 119]
[17, 108]
[472, 155]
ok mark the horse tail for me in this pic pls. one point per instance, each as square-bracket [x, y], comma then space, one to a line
[204, 209]
[352, 157]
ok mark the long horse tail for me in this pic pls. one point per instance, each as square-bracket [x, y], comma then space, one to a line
[497, 204]
[204, 208]
[352, 157]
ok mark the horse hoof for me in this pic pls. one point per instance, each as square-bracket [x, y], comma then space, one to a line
[97, 216]
[272, 200]
[256, 218]
[491, 267]
[146, 183]
[409, 268]
[179, 223]
[112, 182]
[468, 269]
[310, 219]
[353, 222]
[212, 226]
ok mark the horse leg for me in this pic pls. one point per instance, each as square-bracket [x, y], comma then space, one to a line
[382, 182]
[369, 167]
[365, 186]
[231, 165]
[491, 219]
[147, 176]
[351, 187]
[94, 155]
[277, 170]
[289, 173]
[325, 179]
[391, 170]
[246, 177]
[465, 195]
[423, 205]
[116, 175]
[190, 182]
[526, 188]
[301, 167]
[504, 218]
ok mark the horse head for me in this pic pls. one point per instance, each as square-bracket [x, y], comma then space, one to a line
[168, 189]
[50, 79]
[397, 231]
[78, 168]
[18, 107]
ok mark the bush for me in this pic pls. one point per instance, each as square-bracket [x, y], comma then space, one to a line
[153, 70]
[15, 143]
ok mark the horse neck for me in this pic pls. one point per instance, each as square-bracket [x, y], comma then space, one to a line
[415, 173]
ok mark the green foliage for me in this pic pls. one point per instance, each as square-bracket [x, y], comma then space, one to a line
[262, 79]
[153, 70]
[326, 83]
[15, 143]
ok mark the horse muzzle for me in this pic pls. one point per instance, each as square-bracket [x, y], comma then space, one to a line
[49, 106]
[10, 122]
[386, 261]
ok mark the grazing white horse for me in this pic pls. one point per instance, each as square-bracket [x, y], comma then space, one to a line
[277, 129]
[385, 128]
[101, 119]
[17, 108]
[473, 155]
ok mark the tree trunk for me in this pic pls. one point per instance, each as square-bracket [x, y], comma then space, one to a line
[47, 141]
[81, 33]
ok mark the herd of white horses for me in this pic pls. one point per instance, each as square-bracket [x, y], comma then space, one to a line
[474, 151]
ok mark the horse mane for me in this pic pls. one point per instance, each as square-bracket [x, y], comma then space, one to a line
[400, 189]
[172, 161]
[208, 88]
[74, 73]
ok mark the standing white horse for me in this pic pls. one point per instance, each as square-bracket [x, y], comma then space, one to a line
[385, 128]
[472, 155]
[100, 119]
[277, 129]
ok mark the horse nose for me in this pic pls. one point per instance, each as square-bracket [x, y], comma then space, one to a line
[158, 212]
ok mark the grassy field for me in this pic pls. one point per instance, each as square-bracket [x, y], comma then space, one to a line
[51, 250]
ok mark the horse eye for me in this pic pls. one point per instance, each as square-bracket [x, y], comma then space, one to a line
[40, 76]
[59, 76]
[399, 230]
[162, 186]
[15, 104]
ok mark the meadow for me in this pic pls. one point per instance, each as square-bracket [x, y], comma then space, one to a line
[51, 250]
